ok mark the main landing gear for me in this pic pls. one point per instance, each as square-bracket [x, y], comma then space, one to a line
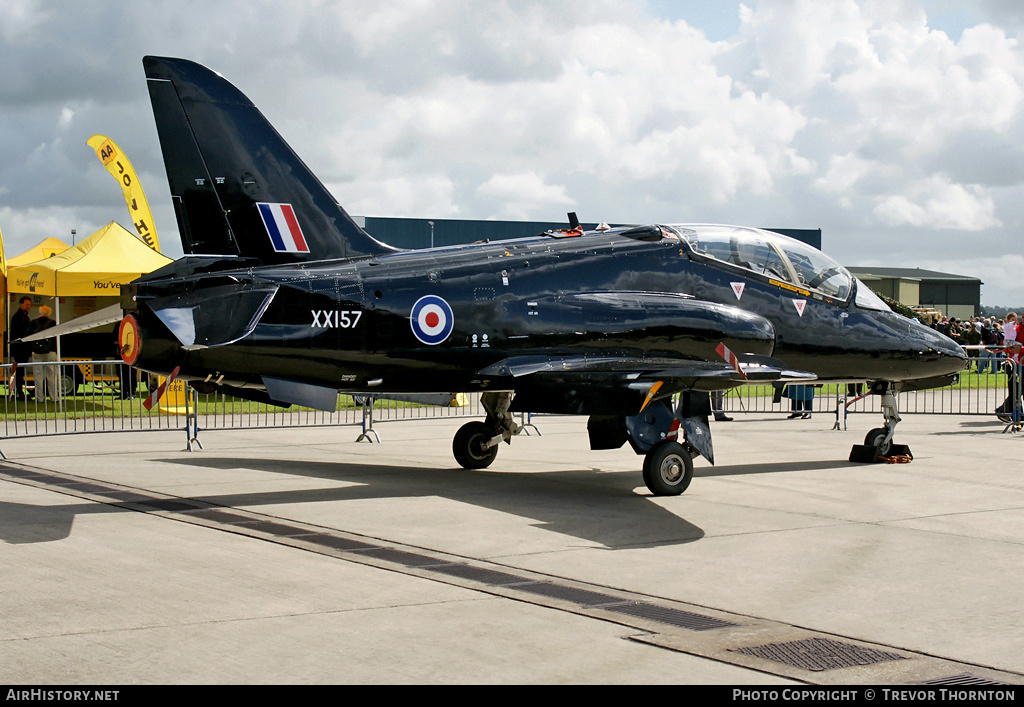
[476, 443]
[668, 438]
[668, 468]
[878, 443]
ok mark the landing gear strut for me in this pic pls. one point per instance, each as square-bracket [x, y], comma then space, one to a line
[878, 443]
[476, 443]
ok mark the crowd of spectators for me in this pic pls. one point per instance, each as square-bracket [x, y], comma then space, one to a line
[973, 331]
[997, 335]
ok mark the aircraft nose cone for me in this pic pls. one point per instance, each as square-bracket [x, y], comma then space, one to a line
[957, 351]
[942, 355]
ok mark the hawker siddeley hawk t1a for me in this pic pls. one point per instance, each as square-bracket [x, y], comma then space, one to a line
[283, 298]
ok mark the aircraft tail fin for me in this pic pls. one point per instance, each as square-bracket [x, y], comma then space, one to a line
[237, 187]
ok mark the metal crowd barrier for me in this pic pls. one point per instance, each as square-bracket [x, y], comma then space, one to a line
[981, 389]
[106, 396]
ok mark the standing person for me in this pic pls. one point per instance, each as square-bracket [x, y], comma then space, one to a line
[21, 325]
[1016, 377]
[1011, 331]
[718, 405]
[801, 399]
[45, 351]
[986, 340]
[987, 357]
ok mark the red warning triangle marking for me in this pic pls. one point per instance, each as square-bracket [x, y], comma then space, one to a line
[800, 304]
[737, 288]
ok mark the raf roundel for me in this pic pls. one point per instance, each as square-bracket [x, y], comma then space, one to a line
[431, 320]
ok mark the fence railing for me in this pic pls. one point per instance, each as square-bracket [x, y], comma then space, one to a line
[102, 396]
[72, 397]
[976, 393]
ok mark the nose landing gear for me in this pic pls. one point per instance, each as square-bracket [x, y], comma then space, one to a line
[878, 443]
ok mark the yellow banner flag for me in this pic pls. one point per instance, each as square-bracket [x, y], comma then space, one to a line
[121, 169]
[3, 260]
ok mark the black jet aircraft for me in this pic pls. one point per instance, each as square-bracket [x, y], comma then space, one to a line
[283, 298]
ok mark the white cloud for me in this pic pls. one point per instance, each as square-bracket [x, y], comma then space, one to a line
[520, 196]
[22, 18]
[858, 117]
[844, 172]
[935, 203]
[23, 228]
[67, 115]
[400, 196]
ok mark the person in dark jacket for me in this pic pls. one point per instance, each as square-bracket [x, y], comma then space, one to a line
[45, 351]
[21, 325]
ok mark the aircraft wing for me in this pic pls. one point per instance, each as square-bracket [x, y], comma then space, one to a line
[610, 385]
[752, 369]
[107, 315]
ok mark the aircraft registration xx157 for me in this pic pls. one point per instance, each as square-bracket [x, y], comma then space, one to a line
[283, 298]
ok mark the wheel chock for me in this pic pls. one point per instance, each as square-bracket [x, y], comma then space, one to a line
[863, 454]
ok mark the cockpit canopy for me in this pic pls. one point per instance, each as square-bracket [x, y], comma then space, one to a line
[771, 254]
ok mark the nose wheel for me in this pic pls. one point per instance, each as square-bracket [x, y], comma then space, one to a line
[879, 439]
[878, 443]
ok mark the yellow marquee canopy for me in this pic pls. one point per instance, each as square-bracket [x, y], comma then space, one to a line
[97, 266]
[40, 251]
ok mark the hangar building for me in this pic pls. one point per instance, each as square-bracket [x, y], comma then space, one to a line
[953, 295]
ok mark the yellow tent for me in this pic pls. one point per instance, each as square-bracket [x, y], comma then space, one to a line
[40, 251]
[97, 266]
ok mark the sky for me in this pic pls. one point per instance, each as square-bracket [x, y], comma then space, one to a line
[897, 126]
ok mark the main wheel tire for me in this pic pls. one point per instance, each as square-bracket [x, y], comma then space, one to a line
[468, 446]
[668, 469]
[874, 439]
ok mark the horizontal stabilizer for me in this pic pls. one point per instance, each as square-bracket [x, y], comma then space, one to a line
[107, 315]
